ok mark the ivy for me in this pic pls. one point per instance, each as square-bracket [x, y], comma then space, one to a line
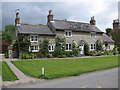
[60, 46]
[75, 48]
[24, 43]
[99, 45]
[44, 48]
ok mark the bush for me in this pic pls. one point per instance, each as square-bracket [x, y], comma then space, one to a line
[25, 55]
[32, 56]
[86, 49]
[106, 52]
[115, 52]
[49, 55]
[68, 53]
[57, 51]
[62, 56]
[93, 52]
[6, 55]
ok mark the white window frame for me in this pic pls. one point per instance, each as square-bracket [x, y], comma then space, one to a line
[33, 49]
[51, 46]
[67, 31]
[93, 45]
[92, 35]
[34, 37]
[69, 47]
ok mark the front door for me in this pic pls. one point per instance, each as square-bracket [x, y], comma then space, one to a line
[82, 48]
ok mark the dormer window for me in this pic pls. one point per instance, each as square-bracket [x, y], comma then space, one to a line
[33, 38]
[92, 34]
[68, 33]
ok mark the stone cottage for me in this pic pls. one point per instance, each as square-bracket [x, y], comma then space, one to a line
[78, 31]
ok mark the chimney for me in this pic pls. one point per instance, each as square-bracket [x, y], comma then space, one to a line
[17, 20]
[116, 24]
[92, 21]
[50, 16]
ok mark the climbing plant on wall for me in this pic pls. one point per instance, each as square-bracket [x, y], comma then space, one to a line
[24, 42]
[75, 48]
[44, 48]
[99, 45]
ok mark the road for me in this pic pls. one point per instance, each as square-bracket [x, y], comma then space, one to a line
[99, 79]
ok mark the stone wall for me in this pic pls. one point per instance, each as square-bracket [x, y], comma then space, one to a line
[78, 36]
[51, 40]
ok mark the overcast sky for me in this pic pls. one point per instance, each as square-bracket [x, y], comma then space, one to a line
[104, 11]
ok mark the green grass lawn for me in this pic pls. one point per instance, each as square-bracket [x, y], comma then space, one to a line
[55, 68]
[7, 73]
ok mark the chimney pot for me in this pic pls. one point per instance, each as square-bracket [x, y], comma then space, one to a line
[50, 16]
[92, 21]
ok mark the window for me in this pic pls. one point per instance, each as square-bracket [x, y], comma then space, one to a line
[68, 33]
[92, 34]
[34, 48]
[51, 47]
[93, 47]
[34, 38]
[68, 47]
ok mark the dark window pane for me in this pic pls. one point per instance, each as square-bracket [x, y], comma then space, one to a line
[49, 47]
[69, 46]
[66, 46]
[69, 33]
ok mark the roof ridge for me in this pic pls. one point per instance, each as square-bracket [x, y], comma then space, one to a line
[34, 24]
[72, 21]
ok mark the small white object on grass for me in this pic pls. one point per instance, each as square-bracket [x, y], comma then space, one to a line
[42, 70]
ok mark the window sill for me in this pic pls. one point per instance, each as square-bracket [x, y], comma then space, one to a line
[51, 50]
[34, 51]
[68, 36]
[34, 41]
[68, 50]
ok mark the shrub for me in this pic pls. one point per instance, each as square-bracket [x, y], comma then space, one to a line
[24, 56]
[99, 45]
[86, 49]
[68, 53]
[6, 55]
[32, 56]
[62, 56]
[49, 55]
[75, 48]
[57, 51]
[106, 52]
[44, 48]
[93, 52]
[115, 52]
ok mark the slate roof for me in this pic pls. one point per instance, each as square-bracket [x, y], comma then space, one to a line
[34, 29]
[106, 38]
[76, 26]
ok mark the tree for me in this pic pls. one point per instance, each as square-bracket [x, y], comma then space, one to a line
[8, 33]
[60, 46]
[44, 48]
[86, 49]
[75, 48]
[108, 30]
[99, 45]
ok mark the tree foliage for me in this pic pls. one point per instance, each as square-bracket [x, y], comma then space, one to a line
[86, 49]
[8, 33]
[99, 45]
[23, 43]
[44, 48]
[60, 46]
[75, 48]
[108, 30]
